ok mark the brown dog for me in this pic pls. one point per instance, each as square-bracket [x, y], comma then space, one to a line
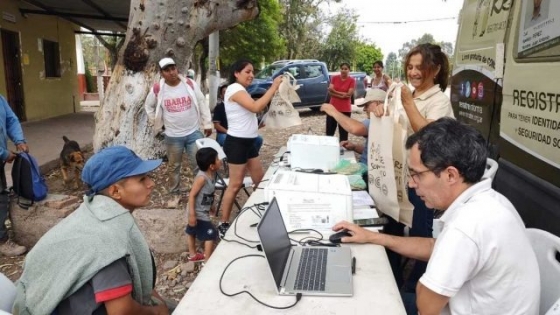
[71, 158]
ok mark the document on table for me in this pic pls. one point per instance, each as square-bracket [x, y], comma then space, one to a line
[361, 198]
[364, 207]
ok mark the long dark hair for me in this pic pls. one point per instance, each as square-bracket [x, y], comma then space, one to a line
[432, 58]
[237, 66]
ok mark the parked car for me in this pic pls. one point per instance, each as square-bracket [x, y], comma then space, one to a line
[311, 74]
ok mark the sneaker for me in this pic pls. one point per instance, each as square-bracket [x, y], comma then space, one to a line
[197, 257]
[10, 249]
[222, 228]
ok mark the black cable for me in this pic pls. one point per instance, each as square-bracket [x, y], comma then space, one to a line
[298, 295]
[254, 208]
[311, 240]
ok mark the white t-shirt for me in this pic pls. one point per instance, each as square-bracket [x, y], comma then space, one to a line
[179, 112]
[433, 105]
[242, 123]
[483, 259]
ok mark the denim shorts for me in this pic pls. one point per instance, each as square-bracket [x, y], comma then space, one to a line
[204, 231]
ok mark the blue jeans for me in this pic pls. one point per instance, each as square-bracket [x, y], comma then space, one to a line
[221, 138]
[175, 148]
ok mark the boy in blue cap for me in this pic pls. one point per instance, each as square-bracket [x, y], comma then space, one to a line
[201, 204]
[96, 261]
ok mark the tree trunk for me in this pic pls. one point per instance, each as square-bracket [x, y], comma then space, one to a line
[157, 29]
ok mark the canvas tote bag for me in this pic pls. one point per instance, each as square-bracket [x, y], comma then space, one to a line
[387, 159]
[282, 113]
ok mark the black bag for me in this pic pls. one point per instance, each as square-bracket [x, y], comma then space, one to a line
[28, 183]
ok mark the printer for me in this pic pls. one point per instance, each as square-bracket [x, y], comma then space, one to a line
[313, 152]
[311, 201]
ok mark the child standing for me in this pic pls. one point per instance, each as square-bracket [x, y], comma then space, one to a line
[201, 203]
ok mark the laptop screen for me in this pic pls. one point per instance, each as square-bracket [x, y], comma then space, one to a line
[274, 240]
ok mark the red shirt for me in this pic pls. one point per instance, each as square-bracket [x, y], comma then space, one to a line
[343, 105]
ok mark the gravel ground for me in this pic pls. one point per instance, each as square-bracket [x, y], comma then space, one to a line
[175, 275]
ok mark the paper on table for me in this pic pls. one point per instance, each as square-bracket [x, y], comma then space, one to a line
[365, 213]
[362, 199]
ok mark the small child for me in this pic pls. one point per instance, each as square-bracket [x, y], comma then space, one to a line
[201, 204]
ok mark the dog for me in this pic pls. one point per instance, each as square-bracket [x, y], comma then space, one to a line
[71, 158]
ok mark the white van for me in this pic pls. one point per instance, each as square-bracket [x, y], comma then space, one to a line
[506, 83]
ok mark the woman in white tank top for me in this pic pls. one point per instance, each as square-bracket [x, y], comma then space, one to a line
[239, 147]
[380, 80]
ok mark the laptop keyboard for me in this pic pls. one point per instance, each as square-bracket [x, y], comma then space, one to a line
[312, 270]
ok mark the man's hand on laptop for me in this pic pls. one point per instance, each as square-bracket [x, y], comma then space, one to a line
[359, 234]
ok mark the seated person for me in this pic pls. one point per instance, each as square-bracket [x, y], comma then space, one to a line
[96, 261]
[220, 120]
[373, 98]
[482, 261]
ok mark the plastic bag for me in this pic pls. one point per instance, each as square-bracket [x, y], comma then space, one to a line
[346, 167]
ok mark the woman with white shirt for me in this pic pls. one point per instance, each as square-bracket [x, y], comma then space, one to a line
[242, 132]
[427, 70]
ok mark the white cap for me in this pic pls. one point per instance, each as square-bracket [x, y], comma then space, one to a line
[371, 95]
[190, 73]
[166, 62]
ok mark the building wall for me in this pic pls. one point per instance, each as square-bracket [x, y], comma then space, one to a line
[43, 97]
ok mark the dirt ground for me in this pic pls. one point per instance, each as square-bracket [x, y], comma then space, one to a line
[169, 283]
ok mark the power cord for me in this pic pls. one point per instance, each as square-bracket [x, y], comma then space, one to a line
[256, 208]
[298, 295]
[311, 240]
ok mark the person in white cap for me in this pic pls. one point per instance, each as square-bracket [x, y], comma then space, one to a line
[374, 97]
[190, 74]
[177, 103]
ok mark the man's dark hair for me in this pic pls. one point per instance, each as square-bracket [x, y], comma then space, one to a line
[205, 157]
[448, 142]
[220, 89]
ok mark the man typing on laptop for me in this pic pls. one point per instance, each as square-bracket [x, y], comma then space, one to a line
[482, 261]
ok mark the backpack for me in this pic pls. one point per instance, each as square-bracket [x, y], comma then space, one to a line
[156, 86]
[28, 183]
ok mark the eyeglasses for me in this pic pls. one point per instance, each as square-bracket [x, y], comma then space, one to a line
[416, 175]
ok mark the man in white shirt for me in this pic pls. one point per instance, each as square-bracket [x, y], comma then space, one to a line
[178, 104]
[482, 261]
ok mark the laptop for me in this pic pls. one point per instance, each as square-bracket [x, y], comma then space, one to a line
[310, 270]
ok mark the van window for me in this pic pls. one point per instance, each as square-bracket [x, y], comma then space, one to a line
[538, 34]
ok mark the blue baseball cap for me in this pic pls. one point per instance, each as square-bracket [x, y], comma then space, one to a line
[112, 164]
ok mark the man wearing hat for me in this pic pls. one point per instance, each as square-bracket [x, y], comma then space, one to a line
[178, 104]
[96, 261]
[374, 99]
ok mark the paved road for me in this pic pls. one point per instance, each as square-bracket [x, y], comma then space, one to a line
[44, 137]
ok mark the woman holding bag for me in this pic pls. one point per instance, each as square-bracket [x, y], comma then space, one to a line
[242, 132]
[427, 70]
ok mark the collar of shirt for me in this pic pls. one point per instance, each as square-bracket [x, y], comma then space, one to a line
[484, 185]
[426, 95]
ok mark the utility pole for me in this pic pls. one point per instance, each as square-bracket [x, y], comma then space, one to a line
[213, 74]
